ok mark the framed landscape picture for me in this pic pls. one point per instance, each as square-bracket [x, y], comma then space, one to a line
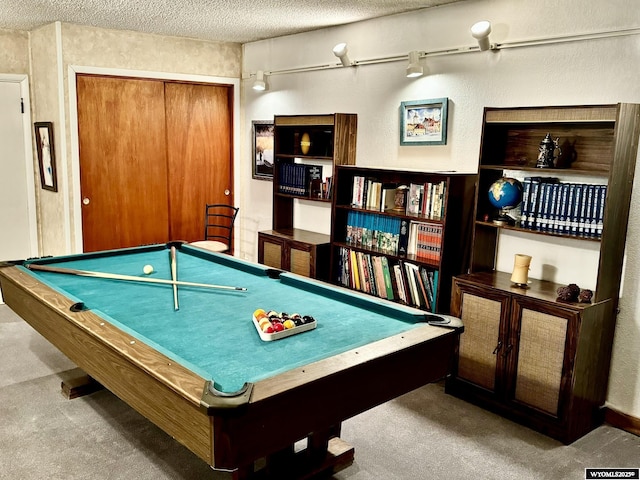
[262, 149]
[424, 122]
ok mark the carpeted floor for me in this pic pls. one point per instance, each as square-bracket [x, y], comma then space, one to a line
[422, 435]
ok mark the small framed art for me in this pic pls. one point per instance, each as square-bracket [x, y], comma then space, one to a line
[262, 149]
[424, 122]
[46, 155]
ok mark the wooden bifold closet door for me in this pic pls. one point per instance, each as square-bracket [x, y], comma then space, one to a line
[152, 154]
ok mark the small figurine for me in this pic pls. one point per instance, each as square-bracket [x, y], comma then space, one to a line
[585, 296]
[573, 293]
[569, 293]
[547, 147]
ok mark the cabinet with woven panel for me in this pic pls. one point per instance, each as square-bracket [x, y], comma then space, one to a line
[527, 356]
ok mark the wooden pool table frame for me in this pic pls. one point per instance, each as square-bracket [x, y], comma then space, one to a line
[308, 402]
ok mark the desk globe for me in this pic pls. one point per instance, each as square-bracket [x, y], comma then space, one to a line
[505, 194]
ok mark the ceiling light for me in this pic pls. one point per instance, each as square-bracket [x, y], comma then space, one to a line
[259, 83]
[480, 31]
[414, 69]
[340, 51]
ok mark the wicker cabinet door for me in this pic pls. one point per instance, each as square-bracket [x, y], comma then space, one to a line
[538, 379]
[480, 343]
[271, 251]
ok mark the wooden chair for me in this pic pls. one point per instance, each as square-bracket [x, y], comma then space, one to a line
[218, 228]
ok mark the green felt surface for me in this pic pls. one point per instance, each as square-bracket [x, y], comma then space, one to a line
[212, 332]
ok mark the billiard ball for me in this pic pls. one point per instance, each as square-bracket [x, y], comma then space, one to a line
[278, 327]
[288, 324]
[147, 269]
[308, 319]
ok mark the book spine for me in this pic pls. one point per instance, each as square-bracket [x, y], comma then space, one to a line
[524, 211]
[584, 204]
[533, 202]
[562, 208]
[600, 214]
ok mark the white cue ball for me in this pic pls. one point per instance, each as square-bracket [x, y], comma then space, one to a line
[147, 269]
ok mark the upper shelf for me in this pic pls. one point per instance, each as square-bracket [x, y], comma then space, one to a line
[511, 138]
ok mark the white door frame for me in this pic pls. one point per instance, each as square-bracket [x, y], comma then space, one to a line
[74, 70]
[23, 81]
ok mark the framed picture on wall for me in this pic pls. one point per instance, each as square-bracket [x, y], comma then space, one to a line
[262, 149]
[46, 155]
[424, 122]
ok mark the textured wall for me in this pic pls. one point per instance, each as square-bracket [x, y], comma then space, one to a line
[587, 72]
[45, 105]
[14, 51]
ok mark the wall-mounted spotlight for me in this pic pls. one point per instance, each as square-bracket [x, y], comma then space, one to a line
[480, 31]
[259, 84]
[414, 69]
[340, 51]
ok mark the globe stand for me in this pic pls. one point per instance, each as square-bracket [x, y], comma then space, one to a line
[504, 219]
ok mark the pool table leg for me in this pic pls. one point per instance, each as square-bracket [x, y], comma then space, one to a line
[76, 383]
[325, 454]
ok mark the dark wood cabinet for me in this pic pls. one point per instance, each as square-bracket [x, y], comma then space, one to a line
[449, 235]
[524, 353]
[529, 357]
[319, 142]
[298, 251]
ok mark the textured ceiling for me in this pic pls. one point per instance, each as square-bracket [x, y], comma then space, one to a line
[238, 21]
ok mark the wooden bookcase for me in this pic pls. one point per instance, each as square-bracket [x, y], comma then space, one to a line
[323, 140]
[453, 221]
[525, 354]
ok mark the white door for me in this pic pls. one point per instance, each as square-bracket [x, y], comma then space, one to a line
[16, 219]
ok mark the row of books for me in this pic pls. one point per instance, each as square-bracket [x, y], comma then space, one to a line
[394, 235]
[368, 230]
[426, 199]
[425, 240]
[575, 209]
[416, 199]
[374, 195]
[403, 281]
[299, 179]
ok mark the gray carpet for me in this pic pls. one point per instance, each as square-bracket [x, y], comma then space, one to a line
[422, 435]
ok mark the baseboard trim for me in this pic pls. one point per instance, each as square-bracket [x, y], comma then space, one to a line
[622, 421]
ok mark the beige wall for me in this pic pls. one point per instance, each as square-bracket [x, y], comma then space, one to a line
[14, 51]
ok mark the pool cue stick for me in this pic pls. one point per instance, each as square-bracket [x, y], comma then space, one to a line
[128, 278]
[174, 277]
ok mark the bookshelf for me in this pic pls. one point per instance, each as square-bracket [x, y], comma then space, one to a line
[525, 354]
[307, 148]
[401, 244]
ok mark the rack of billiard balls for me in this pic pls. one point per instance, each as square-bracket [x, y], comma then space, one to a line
[272, 325]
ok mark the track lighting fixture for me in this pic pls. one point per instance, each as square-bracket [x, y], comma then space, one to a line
[259, 83]
[414, 69]
[480, 31]
[340, 51]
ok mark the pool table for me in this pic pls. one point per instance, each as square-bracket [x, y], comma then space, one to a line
[202, 372]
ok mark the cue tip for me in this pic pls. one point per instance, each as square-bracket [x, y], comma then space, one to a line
[242, 289]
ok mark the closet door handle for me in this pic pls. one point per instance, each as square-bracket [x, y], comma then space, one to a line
[497, 349]
[507, 350]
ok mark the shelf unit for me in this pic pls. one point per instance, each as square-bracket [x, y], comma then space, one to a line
[523, 345]
[455, 223]
[324, 140]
